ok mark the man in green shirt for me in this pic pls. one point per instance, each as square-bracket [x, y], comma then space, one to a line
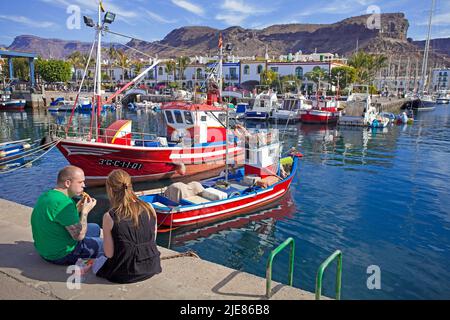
[60, 230]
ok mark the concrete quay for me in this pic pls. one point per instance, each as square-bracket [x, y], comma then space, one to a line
[24, 275]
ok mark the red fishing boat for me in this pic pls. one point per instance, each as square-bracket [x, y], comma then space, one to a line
[264, 179]
[324, 112]
[194, 140]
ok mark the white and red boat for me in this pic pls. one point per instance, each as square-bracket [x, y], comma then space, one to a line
[324, 112]
[6, 103]
[194, 141]
[263, 180]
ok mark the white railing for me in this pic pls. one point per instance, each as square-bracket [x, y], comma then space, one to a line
[105, 135]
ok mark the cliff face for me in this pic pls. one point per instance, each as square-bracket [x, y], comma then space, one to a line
[341, 37]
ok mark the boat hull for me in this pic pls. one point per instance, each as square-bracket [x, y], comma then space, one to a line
[208, 212]
[319, 117]
[143, 163]
[253, 115]
[17, 105]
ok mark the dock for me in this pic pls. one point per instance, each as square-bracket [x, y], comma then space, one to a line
[24, 275]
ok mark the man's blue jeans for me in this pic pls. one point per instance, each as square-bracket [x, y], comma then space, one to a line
[90, 247]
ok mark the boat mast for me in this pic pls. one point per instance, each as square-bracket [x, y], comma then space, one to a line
[99, 71]
[220, 71]
[426, 52]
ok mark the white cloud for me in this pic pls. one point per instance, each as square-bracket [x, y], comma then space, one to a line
[158, 18]
[441, 19]
[28, 22]
[189, 7]
[231, 19]
[241, 7]
[237, 11]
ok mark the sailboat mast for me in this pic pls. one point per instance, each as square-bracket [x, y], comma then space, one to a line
[427, 48]
[99, 72]
[220, 71]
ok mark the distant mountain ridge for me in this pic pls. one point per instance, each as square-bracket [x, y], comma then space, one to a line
[342, 37]
[441, 45]
[50, 48]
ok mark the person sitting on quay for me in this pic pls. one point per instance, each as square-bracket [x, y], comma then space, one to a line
[129, 234]
[60, 230]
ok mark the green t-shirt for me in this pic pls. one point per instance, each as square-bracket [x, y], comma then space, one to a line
[53, 212]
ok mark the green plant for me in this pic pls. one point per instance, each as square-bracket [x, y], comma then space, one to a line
[54, 70]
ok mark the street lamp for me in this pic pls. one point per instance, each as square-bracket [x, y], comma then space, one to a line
[88, 21]
[109, 17]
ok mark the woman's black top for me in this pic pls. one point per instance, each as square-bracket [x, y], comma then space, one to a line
[136, 256]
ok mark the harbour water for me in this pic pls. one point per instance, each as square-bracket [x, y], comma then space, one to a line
[380, 196]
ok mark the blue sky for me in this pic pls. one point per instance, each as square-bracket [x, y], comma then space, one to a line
[153, 19]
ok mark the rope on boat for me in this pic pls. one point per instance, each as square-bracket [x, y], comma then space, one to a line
[189, 253]
[28, 152]
[29, 162]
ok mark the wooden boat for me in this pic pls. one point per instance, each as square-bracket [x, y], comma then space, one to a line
[262, 181]
[270, 214]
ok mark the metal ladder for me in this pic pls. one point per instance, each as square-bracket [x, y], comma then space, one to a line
[290, 241]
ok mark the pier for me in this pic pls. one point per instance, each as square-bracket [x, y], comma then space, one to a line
[24, 275]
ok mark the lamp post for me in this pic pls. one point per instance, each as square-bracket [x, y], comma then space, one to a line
[101, 26]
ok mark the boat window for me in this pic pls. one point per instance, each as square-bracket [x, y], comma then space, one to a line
[169, 116]
[178, 116]
[188, 117]
[203, 118]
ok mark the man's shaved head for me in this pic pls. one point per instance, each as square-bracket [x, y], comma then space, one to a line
[67, 173]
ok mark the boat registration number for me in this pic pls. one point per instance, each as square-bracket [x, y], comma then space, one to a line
[121, 164]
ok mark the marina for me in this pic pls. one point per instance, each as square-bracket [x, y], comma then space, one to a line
[382, 198]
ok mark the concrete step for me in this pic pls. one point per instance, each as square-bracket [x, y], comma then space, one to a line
[182, 278]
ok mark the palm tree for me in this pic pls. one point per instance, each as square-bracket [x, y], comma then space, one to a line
[112, 55]
[367, 65]
[317, 75]
[182, 63]
[123, 62]
[75, 59]
[268, 77]
[170, 67]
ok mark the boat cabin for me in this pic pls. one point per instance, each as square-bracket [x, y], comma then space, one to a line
[201, 123]
[265, 101]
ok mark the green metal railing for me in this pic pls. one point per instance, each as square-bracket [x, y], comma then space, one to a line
[289, 241]
[323, 266]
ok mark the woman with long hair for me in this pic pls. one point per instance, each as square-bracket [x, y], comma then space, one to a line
[129, 234]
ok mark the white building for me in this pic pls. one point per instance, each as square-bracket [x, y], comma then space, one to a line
[440, 79]
[251, 70]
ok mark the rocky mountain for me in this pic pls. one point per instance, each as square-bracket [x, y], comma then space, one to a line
[50, 48]
[342, 37]
[441, 46]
